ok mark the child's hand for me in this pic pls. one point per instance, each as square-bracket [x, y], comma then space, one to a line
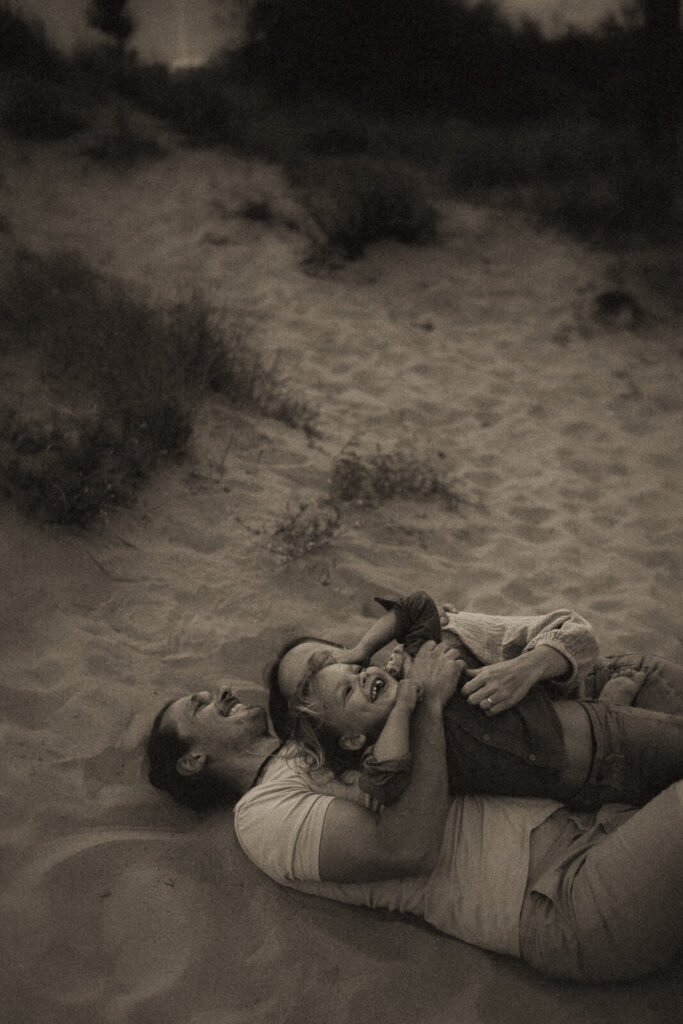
[409, 694]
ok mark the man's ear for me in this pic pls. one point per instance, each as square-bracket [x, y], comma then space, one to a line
[191, 763]
[355, 741]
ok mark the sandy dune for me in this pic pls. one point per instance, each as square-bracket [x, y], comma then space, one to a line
[561, 434]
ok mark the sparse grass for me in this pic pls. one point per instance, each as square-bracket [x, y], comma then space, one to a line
[309, 527]
[366, 480]
[634, 199]
[122, 379]
[371, 479]
[490, 156]
[358, 200]
[124, 146]
[197, 102]
[596, 182]
[337, 139]
[258, 210]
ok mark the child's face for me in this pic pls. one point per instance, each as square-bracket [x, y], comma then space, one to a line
[352, 699]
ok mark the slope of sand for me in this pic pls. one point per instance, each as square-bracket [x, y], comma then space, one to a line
[562, 437]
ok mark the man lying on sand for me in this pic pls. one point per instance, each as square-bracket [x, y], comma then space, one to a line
[521, 876]
[584, 753]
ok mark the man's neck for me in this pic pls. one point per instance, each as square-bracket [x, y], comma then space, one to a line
[251, 761]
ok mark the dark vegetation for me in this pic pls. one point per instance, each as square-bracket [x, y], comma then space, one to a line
[581, 129]
[114, 383]
[372, 108]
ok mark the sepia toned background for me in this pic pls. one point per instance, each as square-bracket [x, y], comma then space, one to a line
[276, 341]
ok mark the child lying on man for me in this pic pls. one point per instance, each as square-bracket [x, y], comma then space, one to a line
[515, 741]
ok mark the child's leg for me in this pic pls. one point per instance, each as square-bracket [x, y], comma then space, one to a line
[637, 754]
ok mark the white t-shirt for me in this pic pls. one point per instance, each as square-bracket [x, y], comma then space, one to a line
[475, 892]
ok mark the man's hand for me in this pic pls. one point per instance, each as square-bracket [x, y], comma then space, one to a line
[437, 670]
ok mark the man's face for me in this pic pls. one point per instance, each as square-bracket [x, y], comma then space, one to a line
[352, 699]
[216, 723]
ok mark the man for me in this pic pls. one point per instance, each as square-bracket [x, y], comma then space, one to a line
[462, 865]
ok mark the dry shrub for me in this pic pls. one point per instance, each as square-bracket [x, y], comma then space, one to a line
[371, 479]
[124, 145]
[358, 200]
[305, 529]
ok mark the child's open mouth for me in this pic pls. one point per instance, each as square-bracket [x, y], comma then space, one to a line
[377, 687]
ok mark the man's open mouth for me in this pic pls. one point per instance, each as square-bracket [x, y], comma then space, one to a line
[229, 706]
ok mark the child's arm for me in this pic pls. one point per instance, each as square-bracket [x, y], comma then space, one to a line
[410, 620]
[394, 740]
[380, 633]
[386, 766]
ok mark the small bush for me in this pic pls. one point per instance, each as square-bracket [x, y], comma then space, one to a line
[308, 528]
[197, 102]
[371, 479]
[356, 201]
[122, 379]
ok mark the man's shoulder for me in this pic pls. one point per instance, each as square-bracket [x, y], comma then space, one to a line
[278, 822]
[286, 769]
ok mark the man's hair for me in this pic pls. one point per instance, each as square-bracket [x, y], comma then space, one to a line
[279, 706]
[297, 719]
[202, 791]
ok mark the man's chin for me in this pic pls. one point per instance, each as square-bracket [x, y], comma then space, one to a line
[259, 718]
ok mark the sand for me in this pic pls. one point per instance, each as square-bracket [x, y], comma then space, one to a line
[562, 435]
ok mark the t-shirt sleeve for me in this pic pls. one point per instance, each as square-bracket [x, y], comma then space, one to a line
[385, 781]
[279, 828]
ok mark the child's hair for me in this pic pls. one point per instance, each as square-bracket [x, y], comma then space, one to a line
[318, 743]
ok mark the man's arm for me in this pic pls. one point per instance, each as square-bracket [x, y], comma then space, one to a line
[359, 846]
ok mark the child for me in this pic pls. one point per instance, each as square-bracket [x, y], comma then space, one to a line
[583, 752]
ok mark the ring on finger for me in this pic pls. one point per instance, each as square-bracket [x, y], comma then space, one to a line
[487, 700]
